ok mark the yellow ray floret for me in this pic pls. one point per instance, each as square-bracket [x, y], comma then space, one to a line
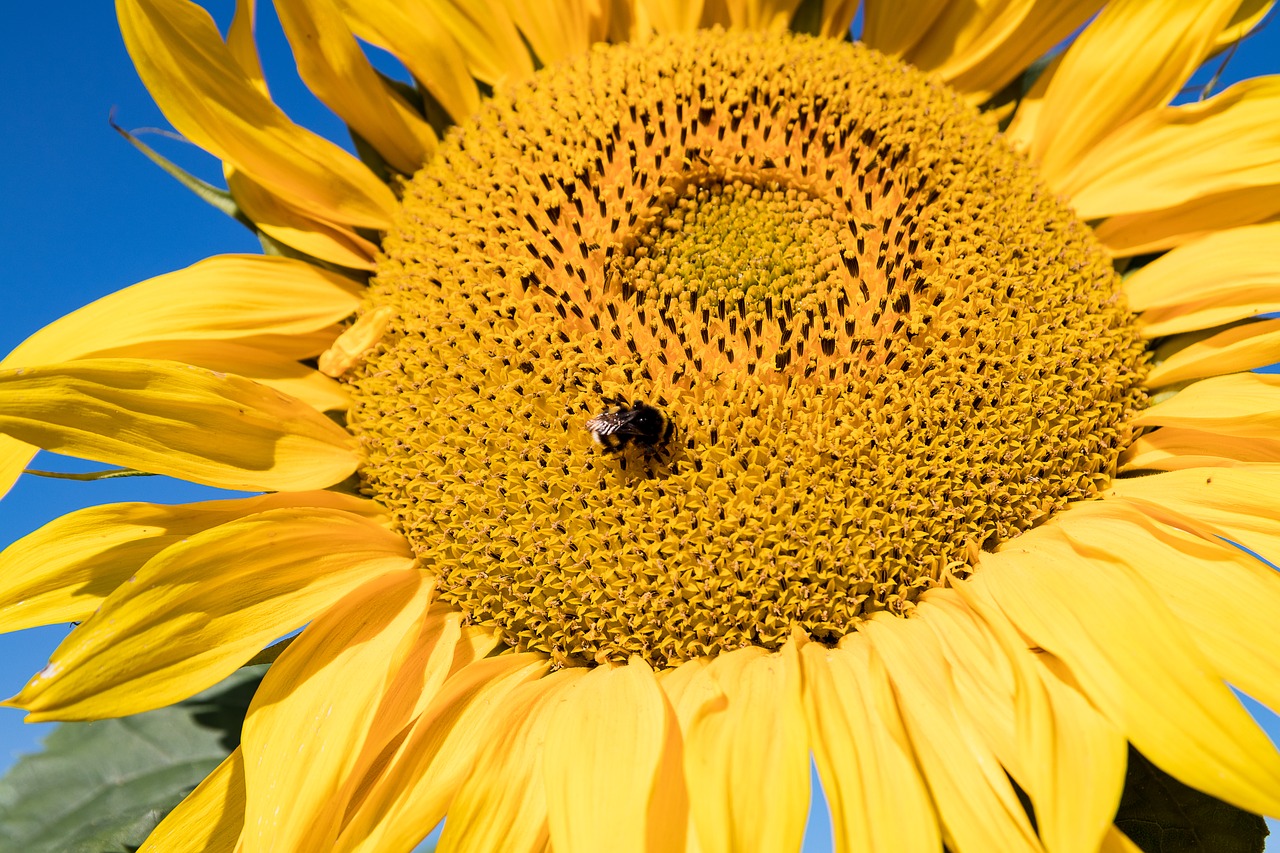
[205, 605]
[200, 88]
[211, 817]
[867, 765]
[328, 684]
[1077, 102]
[63, 571]
[423, 776]
[1085, 608]
[615, 741]
[169, 418]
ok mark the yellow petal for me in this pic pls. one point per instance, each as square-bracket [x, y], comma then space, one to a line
[615, 742]
[243, 47]
[309, 720]
[1133, 57]
[202, 91]
[228, 297]
[170, 418]
[487, 37]
[1247, 17]
[336, 70]
[202, 607]
[351, 346]
[1242, 404]
[1175, 155]
[869, 776]
[1208, 282]
[672, 16]
[63, 571]
[555, 29]
[502, 804]
[1117, 842]
[772, 15]
[1230, 597]
[1168, 449]
[15, 456]
[209, 819]
[978, 48]
[1158, 230]
[1061, 738]
[894, 26]
[407, 799]
[1136, 663]
[1235, 504]
[1239, 348]
[298, 229]
[747, 758]
[437, 39]
[978, 806]
[284, 374]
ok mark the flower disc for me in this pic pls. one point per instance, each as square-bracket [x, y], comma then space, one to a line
[878, 342]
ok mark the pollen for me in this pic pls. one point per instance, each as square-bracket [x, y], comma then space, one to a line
[877, 342]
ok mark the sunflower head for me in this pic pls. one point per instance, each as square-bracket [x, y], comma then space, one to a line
[879, 343]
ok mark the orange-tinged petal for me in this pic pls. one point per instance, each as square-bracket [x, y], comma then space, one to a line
[1158, 230]
[1208, 282]
[555, 29]
[336, 70]
[175, 419]
[867, 773]
[410, 796]
[15, 456]
[202, 607]
[309, 721]
[296, 228]
[1136, 663]
[209, 819]
[1117, 842]
[894, 26]
[747, 758]
[978, 48]
[615, 742]
[487, 36]
[502, 804]
[1175, 155]
[773, 15]
[1168, 449]
[1228, 596]
[228, 297]
[63, 571]
[672, 16]
[1153, 48]
[1242, 404]
[1061, 739]
[436, 39]
[1239, 348]
[201, 89]
[977, 805]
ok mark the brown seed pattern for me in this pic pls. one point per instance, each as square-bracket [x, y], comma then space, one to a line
[880, 341]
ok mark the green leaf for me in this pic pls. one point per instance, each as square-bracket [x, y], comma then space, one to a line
[1162, 815]
[101, 787]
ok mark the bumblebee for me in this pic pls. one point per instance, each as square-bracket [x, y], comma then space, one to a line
[639, 424]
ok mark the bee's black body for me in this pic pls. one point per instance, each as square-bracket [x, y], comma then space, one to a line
[639, 424]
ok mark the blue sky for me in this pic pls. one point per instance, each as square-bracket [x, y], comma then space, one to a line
[86, 215]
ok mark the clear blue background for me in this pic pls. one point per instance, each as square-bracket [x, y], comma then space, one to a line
[85, 214]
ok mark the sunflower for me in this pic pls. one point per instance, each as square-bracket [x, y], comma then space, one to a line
[671, 391]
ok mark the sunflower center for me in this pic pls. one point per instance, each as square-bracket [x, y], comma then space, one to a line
[702, 340]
